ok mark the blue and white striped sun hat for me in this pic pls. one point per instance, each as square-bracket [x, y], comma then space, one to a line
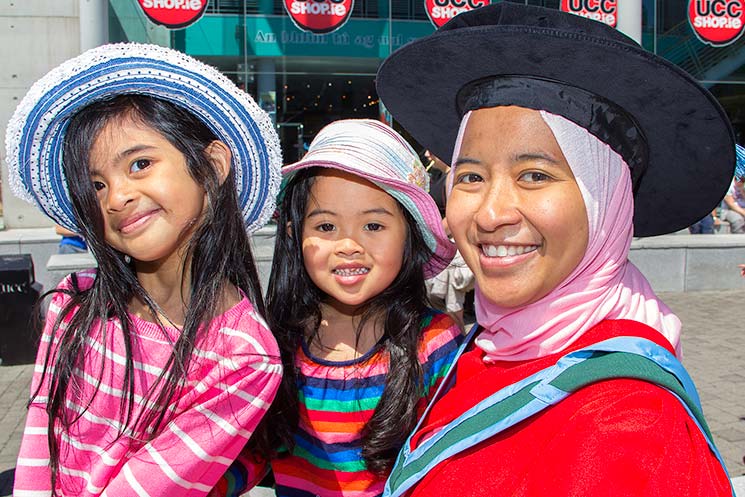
[377, 153]
[36, 133]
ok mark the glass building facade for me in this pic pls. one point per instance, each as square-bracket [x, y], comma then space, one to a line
[307, 80]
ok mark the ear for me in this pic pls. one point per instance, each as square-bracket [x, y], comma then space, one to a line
[289, 229]
[220, 156]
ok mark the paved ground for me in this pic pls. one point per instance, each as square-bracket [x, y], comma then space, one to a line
[14, 390]
[714, 353]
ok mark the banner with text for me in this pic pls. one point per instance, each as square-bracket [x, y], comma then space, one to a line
[319, 16]
[605, 11]
[173, 14]
[716, 22]
[441, 11]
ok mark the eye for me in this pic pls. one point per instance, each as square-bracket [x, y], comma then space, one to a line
[534, 177]
[139, 165]
[469, 178]
[373, 227]
[325, 227]
[98, 186]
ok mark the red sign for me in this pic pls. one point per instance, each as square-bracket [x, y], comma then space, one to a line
[173, 13]
[441, 11]
[319, 16]
[717, 22]
[600, 10]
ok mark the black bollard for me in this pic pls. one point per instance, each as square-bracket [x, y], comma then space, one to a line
[19, 323]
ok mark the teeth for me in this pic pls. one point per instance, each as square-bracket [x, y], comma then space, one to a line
[351, 272]
[507, 250]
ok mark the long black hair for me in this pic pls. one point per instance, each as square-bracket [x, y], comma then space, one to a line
[218, 254]
[403, 304]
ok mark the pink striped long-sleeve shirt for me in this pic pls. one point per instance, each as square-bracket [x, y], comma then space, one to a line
[233, 377]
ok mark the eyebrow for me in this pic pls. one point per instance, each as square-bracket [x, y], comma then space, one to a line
[123, 154]
[465, 160]
[377, 210]
[319, 212]
[515, 158]
[535, 156]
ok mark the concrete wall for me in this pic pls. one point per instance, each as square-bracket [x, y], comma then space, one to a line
[50, 268]
[262, 243]
[687, 263]
[41, 243]
[35, 36]
[671, 263]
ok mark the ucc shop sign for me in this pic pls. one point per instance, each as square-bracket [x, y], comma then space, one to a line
[717, 22]
[319, 16]
[605, 11]
[441, 11]
[173, 14]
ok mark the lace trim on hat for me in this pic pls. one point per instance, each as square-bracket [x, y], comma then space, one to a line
[35, 133]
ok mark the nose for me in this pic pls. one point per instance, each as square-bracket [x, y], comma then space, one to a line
[499, 207]
[347, 246]
[120, 192]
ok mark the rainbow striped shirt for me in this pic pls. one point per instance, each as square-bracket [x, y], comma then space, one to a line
[336, 400]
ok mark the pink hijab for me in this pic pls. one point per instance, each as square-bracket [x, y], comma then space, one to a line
[605, 285]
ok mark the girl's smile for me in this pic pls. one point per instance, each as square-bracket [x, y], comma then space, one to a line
[515, 210]
[350, 274]
[353, 238]
[135, 222]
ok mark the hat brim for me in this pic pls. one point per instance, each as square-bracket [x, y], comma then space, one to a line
[428, 213]
[691, 145]
[36, 132]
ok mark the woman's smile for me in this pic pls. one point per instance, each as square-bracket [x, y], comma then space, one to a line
[502, 251]
[506, 256]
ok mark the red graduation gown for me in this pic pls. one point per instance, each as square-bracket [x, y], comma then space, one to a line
[612, 438]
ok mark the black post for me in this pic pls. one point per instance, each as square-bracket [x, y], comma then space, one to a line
[19, 327]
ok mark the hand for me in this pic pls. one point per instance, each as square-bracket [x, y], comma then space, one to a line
[742, 269]
[435, 162]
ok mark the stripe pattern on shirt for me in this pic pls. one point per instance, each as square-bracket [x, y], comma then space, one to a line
[336, 401]
[232, 379]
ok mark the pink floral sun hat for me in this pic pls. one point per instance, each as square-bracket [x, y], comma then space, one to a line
[375, 152]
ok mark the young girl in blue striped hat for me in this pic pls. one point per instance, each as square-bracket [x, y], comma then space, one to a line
[362, 352]
[154, 369]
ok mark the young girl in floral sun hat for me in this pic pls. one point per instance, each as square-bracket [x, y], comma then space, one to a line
[361, 349]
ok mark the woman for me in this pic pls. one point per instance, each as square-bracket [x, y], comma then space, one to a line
[566, 138]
